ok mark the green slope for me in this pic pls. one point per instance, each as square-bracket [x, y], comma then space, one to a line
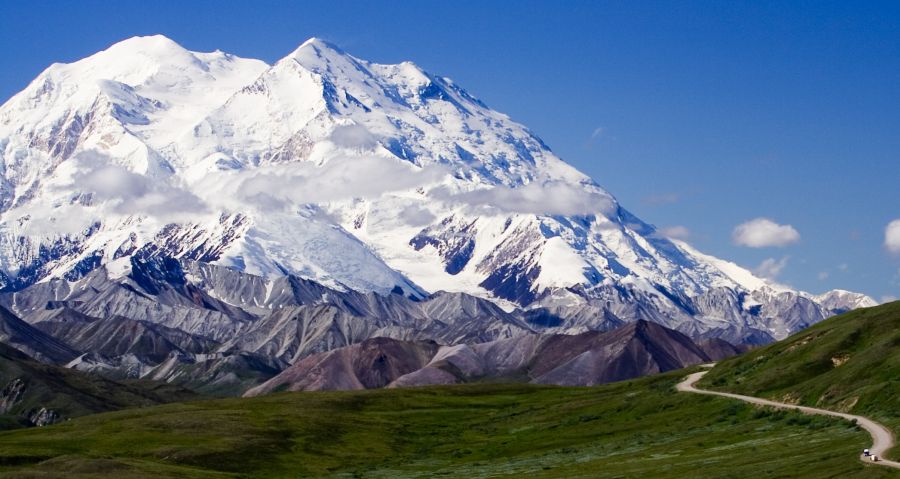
[640, 428]
[71, 393]
[847, 363]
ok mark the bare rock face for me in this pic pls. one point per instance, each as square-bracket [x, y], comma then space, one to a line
[11, 395]
[219, 374]
[219, 330]
[32, 341]
[586, 359]
[427, 376]
[451, 365]
[43, 417]
[373, 363]
[118, 336]
[380, 361]
[718, 349]
[634, 350]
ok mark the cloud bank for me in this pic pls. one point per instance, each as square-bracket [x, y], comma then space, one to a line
[125, 192]
[771, 268]
[540, 198]
[676, 232]
[96, 188]
[763, 233]
[278, 187]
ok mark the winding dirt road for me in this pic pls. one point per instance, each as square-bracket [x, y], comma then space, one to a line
[882, 439]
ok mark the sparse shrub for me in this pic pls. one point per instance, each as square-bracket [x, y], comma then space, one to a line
[761, 413]
[798, 420]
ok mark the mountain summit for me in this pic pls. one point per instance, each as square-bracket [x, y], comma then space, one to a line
[360, 176]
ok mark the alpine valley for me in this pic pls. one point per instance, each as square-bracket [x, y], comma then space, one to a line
[325, 222]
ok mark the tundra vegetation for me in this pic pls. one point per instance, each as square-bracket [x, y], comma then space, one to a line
[638, 428]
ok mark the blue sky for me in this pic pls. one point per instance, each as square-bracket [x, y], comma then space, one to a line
[703, 115]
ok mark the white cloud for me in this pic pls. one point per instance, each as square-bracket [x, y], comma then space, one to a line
[285, 186]
[105, 190]
[892, 236]
[843, 267]
[94, 188]
[547, 198]
[363, 175]
[51, 220]
[596, 135]
[415, 215]
[763, 232]
[355, 137]
[128, 193]
[370, 176]
[823, 275]
[675, 232]
[888, 298]
[771, 268]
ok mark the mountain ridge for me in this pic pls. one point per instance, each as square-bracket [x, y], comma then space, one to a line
[587, 359]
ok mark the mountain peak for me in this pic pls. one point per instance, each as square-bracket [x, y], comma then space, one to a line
[316, 47]
[147, 43]
[130, 61]
[319, 42]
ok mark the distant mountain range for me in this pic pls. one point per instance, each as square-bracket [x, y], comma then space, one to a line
[210, 220]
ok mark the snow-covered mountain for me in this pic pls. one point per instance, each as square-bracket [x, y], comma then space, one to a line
[359, 176]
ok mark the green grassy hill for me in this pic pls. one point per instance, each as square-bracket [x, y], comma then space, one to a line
[847, 363]
[640, 428]
[69, 393]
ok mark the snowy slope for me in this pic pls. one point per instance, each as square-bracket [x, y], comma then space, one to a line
[358, 175]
